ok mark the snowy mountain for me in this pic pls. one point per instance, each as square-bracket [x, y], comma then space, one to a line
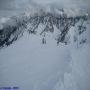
[30, 65]
[16, 26]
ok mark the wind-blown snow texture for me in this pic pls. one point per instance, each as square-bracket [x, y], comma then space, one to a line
[31, 65]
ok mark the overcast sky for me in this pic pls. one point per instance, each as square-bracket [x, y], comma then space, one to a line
[20, 4]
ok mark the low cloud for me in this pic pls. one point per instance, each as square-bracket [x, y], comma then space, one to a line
[22, 4]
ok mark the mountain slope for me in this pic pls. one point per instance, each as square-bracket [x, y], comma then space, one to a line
[30, 65]
[14, 28]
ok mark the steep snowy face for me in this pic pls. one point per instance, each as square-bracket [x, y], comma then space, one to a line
[14, 28]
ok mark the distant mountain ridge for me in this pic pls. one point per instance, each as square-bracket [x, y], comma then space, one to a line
[14, 28]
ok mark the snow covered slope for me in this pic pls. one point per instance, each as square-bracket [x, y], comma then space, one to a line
[31, 65]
